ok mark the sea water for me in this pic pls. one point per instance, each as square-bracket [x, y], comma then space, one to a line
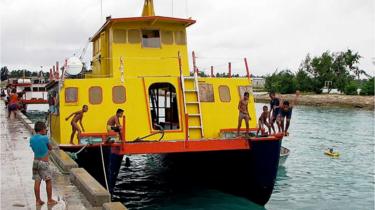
[309, 179]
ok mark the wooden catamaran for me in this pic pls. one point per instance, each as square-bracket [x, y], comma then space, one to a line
[140, 64]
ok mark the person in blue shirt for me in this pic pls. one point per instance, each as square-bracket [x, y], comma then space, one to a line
[40, 145]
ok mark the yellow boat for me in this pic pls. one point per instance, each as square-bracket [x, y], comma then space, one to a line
[140, 64]
[332, 154]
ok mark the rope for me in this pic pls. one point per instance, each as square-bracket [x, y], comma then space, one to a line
[161, 131]
[105, 174]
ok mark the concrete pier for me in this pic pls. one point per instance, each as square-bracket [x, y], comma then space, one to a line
[17, 187]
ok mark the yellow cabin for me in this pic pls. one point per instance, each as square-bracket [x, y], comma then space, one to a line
[141, 65]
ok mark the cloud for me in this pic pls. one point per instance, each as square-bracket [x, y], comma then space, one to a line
[271, 34]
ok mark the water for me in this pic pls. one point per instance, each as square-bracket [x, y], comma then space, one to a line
[36, 115]
[308, 179]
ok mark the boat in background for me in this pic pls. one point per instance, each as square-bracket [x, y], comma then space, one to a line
[284, 153]
[32, 93]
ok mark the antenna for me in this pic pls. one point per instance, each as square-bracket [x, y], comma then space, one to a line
[186, 8]
[101, 11]
[172, 7]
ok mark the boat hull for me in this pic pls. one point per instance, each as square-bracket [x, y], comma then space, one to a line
[246, 173]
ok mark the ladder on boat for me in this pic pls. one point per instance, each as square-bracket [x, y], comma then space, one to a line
[194, 91]
[192, 107]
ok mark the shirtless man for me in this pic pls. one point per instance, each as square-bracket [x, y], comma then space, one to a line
[78, 115]
[274, 111]
[113, 123]
[263, 121]
[243, 113]
[286, 112]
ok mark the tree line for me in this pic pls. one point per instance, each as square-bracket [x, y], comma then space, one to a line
[330, 70]
[5, 73]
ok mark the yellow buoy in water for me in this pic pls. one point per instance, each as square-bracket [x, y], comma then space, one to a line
[331, 153]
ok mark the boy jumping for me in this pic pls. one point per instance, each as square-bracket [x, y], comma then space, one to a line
[40, 145]
[78, 115]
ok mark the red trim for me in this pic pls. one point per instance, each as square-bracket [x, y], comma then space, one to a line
[247, 69]
[34, 101]
[153, 147]
[22, 84]
[230, 70]
[123, 132]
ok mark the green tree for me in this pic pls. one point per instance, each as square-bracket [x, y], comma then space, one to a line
[304, 82]
[351, 88]
[368, 87]
[282, 82]
[4, 73]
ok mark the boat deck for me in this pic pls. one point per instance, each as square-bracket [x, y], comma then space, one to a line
[228, 141]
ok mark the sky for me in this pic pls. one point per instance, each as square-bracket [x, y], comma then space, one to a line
[272, 35]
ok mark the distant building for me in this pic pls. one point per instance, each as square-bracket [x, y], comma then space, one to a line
[258, 82]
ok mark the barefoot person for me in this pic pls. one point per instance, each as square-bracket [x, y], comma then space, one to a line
[263, 121]
[40, 145]
[243, 113]
[78, 115]
[286, 112]
[274, 111]
[113, 123]
[13, 103]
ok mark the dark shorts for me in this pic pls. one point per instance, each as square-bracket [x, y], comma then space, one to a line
[275, 112]
[113, 128]
[41, 170]
[12, 107]
[287, 114]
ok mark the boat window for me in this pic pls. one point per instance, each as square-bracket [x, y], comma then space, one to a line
[167, 37]
[95, 95]
[163, 106]
[119, 36]
[118, 94]
[71, 95]
[180, 37]
[134, 36]
[206, 92]
[35, 88]
[224, 93]
[151, 38]
[27, 89]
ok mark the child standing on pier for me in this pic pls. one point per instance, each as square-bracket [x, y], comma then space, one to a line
[40, 145]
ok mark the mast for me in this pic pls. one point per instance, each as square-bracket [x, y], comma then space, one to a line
[148, 8]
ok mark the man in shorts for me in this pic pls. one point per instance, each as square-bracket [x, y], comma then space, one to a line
[113, 123]
[78, 115]
[274, 111]
[243, 113]
[286, 112]
[40, 145]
